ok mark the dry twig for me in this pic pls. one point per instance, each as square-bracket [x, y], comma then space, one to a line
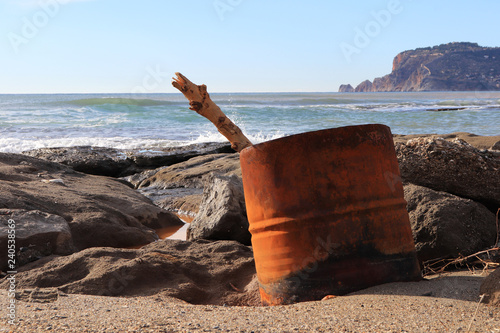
[440, 265]
[437, 266]
[475, 313]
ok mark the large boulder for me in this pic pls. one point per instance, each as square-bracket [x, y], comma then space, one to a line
[179, 187]
[490, 288]
[445, 225]
[120, 163]
[222, 213]
[454, 167]
[35, 233]
[200, 272]
[100, 211]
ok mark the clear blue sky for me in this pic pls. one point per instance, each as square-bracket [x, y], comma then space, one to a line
[111, 46]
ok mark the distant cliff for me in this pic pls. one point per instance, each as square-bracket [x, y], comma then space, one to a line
[448, 67]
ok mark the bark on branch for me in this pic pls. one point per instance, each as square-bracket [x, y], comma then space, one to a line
[200, 101]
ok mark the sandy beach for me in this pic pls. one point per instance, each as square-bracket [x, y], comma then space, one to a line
[445, 303]
[449, 302]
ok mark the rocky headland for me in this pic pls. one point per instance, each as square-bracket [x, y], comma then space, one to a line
[87, 234]
[446, 67]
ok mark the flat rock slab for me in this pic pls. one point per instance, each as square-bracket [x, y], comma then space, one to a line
[119, 162]
[199, 272]
[99, 211]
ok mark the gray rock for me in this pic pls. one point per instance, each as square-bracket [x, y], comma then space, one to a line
[100, 211]
[180, 187]
[445, 225]
[490, 288]
[120, 163]
[454, 167]
[92, 160]
[172, 155]
[36, 233]
[222, 214]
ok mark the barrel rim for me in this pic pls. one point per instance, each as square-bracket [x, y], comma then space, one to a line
[333, 129]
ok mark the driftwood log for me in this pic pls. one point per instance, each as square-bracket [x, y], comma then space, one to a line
[200, 101]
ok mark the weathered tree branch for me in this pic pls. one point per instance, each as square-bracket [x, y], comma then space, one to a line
[200, 101]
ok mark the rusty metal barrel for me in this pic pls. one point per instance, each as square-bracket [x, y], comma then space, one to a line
[327, 214]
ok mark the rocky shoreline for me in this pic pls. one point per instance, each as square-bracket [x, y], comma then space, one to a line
[80, 212]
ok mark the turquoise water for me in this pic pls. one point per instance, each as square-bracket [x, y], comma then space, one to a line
[160, 120]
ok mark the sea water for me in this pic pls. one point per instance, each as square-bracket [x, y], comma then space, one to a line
[153, 121]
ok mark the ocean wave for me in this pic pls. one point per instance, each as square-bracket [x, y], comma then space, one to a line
[15, 145]
[281, 103]
[161, 120]
[325, 101]
[255, 138]
[119, 101]
[469, 103]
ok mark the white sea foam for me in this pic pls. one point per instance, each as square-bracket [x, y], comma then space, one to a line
[254, 138]
[12, 145]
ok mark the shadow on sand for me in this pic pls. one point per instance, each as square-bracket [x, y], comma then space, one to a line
[462, 285]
